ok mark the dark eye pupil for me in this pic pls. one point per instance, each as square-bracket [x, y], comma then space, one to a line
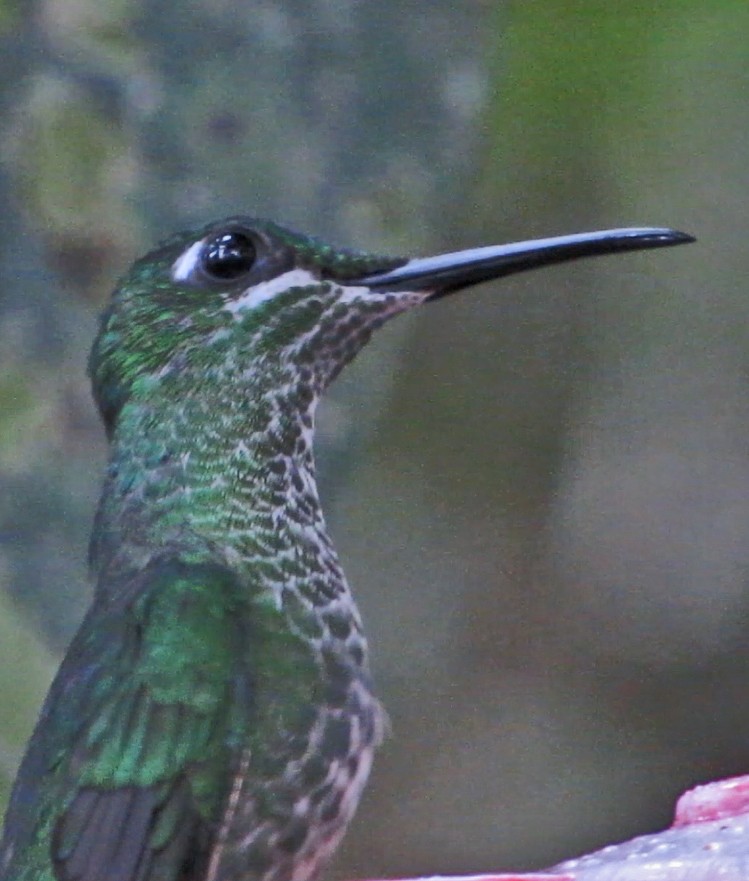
[228, 256]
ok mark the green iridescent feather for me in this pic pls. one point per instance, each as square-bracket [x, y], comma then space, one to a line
[214, 712]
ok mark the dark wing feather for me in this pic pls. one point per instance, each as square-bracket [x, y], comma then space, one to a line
[109, 834]
[128, 771]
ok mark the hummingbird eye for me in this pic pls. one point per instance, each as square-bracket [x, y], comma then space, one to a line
[228, 256]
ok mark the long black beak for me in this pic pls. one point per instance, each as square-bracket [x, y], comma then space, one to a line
[447, 273]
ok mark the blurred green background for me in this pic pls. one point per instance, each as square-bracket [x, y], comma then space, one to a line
[540, 489]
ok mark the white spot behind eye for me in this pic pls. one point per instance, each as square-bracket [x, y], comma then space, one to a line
[266, 290]
[185, 263]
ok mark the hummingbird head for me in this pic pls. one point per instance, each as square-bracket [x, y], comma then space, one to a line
[241, 293]
[246, 296]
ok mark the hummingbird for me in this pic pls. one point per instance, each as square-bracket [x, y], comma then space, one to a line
[214, 718]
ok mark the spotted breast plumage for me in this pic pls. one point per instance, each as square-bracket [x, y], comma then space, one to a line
[213, 718]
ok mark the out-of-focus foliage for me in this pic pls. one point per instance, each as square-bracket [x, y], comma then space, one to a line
[72, 170]
[575, 439]
[27, 668]
[548, 526]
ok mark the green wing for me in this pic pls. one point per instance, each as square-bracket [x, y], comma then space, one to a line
[127, 773]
